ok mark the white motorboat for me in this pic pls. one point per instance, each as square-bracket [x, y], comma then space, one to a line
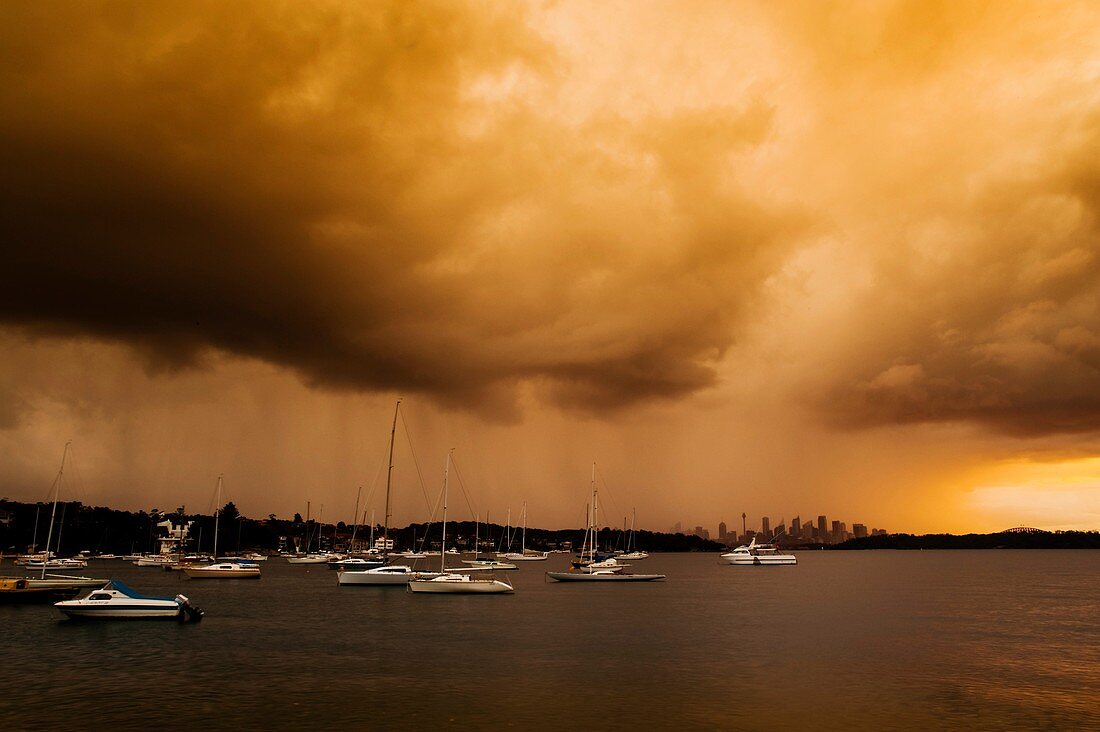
[224, 570]
[117, 601]
[633, 555]
[416, 555]
[604, 565]
[602, 575]
[757, 555]
[452, 583]
[391, 574]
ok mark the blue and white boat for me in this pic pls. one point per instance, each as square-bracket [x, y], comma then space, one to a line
[116, 601]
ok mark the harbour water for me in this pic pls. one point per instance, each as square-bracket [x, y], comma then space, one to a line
[887, 640]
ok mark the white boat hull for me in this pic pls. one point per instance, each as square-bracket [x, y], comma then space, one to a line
[515, 557]
[122, 613]
[307, 560]
[489, 564]
[221, 571]
[464, 587]
[603, 576]
[379, 579]
[759, 561]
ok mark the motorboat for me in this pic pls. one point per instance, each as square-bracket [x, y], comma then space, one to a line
[308, 559]
[610, 564]
[355, 563]
[633, 555]
[757, 555]
[489, 564]
[454, 583]
[417, 555]
[391, 574]
[117, 601]
[224, 570]
[602, 575]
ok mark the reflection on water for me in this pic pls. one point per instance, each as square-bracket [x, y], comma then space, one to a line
[982, 640]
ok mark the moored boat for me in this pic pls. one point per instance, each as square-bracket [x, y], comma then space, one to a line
[223, 570]
[758, 555]
[116, 601]
[391, 574]
[453, 583]
[602, 575]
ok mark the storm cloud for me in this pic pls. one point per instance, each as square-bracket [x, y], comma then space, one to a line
[377, 196]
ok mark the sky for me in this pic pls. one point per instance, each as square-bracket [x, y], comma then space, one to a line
[779, 258]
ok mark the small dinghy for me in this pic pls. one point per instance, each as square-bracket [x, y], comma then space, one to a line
[116, 601]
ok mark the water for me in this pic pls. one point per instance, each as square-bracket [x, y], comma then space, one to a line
[893, 640]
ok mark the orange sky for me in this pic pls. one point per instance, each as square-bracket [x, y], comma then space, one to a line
[780, 258]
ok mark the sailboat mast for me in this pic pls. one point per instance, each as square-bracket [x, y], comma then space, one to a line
[217, 515]
[443, 544]
[523, 536]
[355, 518]
[477, 519]
[53, 511]
[389, 477]
[595, 514]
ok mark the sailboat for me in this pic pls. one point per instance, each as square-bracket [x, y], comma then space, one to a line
[523, 555]
[222, 570]
[486, 564]
[590, 569]
[632, 541]
[454, 583]
[390, 574]
[308, 557]
[47, 587]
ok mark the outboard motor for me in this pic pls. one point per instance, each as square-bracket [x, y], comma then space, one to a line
[188, 612]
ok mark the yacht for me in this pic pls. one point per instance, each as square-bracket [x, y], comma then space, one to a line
[309, 559]
[117, 601]
[758, 555]
[489, 564]
[602, 575]
[224, 570]
[391, 574]
[453, 583]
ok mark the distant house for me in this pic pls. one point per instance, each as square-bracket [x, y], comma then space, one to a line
[6, 517]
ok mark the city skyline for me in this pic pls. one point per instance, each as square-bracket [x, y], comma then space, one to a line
[743, 256]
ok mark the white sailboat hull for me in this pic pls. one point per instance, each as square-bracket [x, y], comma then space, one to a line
[602, 576]
[466, 586]
[516, 557]
[371, 578]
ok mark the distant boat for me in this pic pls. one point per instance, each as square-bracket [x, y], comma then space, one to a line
[222, 570]
[452, 582]
[592, 568]
[308, 559]
[757, 555]
[602, 575]
[523, 555]
[355, 563]
[116, 601]
[632, 551]
[390, 574]
[485, 564]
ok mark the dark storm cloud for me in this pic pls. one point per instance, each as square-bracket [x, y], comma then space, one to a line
[328, 187]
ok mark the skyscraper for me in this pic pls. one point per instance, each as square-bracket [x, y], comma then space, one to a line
[721, 531]
[796, 527]
[822, 529]
[765, 526]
